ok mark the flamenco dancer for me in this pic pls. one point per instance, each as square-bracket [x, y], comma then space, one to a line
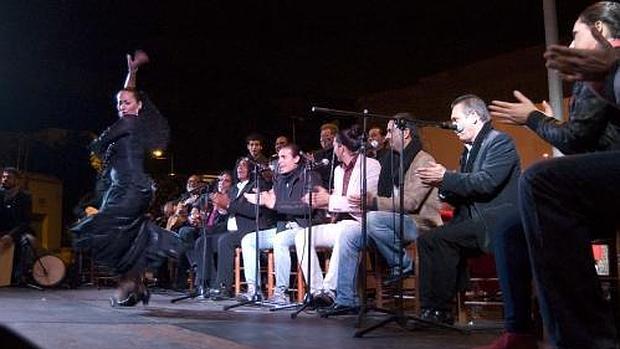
[120, 235]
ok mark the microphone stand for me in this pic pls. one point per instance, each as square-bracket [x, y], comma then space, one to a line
[198, 291]
[398, 314]
[257, 297]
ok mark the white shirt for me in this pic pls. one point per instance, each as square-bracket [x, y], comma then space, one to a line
[231, 224]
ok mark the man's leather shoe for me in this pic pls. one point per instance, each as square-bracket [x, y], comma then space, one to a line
[220, 294]
[396, 275]
[322, 300]
[202, 293]
[338, 309]
[438, 316]
[510, 340]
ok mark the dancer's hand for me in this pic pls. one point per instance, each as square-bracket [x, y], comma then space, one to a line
[583, 64]
[139, 58]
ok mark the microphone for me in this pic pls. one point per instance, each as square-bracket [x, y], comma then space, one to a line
[373, 144]
[318, 164]
[450, 126]
[261, 167]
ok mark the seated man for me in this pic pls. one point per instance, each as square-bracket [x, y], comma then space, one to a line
[328, 133]
[241, 221]
[215, 224]
[421, 206]
[345, 215]
[15, 213]
[194, 189]
[378, 144]
[286, 199]
[178, 218]
[188, 234]
[483, 193]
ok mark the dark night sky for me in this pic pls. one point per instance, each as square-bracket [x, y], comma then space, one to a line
[221, 69]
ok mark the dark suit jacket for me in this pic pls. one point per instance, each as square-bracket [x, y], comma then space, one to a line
[325, 171]
[245, 212]
[489, 189]
[15, 213]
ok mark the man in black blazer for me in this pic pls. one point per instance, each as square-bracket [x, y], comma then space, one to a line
[482, 191]
[241, 221]
[15, 216]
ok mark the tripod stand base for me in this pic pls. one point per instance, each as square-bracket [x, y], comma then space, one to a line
[308, 301]
[402, 320]
[286, 306]
[256, 300]
[187, 296]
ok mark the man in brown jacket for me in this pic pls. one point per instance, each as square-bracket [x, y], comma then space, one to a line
[421, 207]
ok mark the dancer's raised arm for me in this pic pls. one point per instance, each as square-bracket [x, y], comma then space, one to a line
[139, 58]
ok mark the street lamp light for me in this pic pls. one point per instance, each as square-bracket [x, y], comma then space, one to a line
[158, 154]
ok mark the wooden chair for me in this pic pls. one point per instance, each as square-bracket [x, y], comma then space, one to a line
[6, 265]
[300, 287]
[482, 297]
[384, 296]
[239, 280]
[607, 257]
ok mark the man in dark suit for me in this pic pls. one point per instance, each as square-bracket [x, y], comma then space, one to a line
[241, 221]
[214, 225]
[482, 192]
[15, 215]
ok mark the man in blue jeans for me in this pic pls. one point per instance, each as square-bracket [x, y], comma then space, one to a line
[285, 198]
[421, 206]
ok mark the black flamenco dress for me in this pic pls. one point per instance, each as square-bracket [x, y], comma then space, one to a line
[120, 235]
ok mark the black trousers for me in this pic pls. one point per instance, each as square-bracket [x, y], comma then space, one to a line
[205, 250]
[443, 256]
[187, 235]
[565, 203]
[226, 245]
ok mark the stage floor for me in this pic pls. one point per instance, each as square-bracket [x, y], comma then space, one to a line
[83, 318]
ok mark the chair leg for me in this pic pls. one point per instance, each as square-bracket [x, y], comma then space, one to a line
[301, 285]
[270, 274]
[237, 271]
[461, 313]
